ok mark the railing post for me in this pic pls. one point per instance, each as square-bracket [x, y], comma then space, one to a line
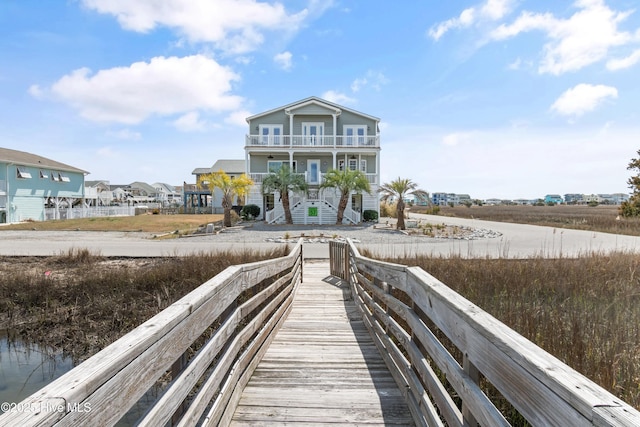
[346, 270]
[469, 368]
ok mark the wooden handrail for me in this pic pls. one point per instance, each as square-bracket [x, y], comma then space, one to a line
[101, 390]
[405, 309]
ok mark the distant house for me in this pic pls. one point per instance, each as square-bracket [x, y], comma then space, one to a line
[573, 198]
[97, 193]
[198, 196]
[555, 199]
[29, 183]
[167, 195]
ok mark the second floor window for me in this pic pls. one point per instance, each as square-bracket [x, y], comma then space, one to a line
[270, 134]
[354, 134]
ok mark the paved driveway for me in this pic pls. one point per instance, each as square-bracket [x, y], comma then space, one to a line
[516, 241]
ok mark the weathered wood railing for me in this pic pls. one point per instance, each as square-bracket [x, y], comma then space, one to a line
[235, 315]
[406, 309]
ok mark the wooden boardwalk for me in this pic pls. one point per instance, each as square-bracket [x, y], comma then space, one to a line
[322, 367]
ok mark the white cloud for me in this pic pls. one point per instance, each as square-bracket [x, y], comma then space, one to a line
[235, 26]
[581, 40]
[490, 10]
[337, 97]
[126, 134]
[456, 138]
[238, 118]
[108, 152]
[190, 122]
[372, 78]
[162, 86]
[36, 91]
[283, 60]
[627, 62]
[583, 98]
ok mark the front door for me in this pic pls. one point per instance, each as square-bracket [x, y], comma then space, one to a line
[313, 172]
[313, 133]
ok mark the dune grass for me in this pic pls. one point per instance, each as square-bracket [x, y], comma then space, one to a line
[584, 311]
[79, 302]
[602, 218]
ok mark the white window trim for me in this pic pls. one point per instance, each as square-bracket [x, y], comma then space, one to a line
[294, 169]
[271, 139]
[317, 139]
[64, 177]
[22, 172]
[353, 164]
[354, 139]
[341, 164]
[363, 165]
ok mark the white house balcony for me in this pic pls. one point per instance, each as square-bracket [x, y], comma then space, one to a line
[328, 141]
[259, 177]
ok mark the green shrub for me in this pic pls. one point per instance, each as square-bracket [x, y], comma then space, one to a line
[250, 211]
[370, 215]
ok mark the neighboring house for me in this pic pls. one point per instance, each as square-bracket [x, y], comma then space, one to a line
[199, 196]
[313, 136]
[29, 183]
[166, 195]
[97, 193]
[553, 198]
[573, 198]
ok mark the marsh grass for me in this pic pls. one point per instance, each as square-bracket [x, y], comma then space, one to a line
[594, 218]
[584, 311]
[79, 302]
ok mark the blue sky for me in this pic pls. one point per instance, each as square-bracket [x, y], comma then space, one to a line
[494, 98]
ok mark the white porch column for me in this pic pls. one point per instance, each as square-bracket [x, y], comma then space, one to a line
[290, 128]
[247, 163]
[378, 168]
[334, 158]
[291, 160]
[335, 131]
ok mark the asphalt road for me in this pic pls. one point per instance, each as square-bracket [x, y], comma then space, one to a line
[516, 241]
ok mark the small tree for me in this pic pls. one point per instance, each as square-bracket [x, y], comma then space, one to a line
[632, 206]
[229, 186]
[284, 180]
[345, 181]
[398, 189]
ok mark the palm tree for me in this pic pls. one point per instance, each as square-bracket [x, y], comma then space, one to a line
[284, 180]
[229, 186]
[399, 189]
[345, 181]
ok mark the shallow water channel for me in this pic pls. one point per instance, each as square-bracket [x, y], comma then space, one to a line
[26, 368]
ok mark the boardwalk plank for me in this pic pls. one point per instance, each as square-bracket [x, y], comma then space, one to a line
[322, 367]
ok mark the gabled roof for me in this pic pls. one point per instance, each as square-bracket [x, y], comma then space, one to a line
[96, 183]
[27, 159]
[143, 186]
[167, 187]
[313, 100]
[230, 166]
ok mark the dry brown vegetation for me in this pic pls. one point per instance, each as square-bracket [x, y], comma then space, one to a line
[80, 302]
[584, 311]
[146, 223]
[595, 218]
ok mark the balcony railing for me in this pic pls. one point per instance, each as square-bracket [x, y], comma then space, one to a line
[312, 141]
[257, 177]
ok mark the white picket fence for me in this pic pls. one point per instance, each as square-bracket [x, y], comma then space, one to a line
[88, 212]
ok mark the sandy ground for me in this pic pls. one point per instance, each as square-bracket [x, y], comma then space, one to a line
[513, 241]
